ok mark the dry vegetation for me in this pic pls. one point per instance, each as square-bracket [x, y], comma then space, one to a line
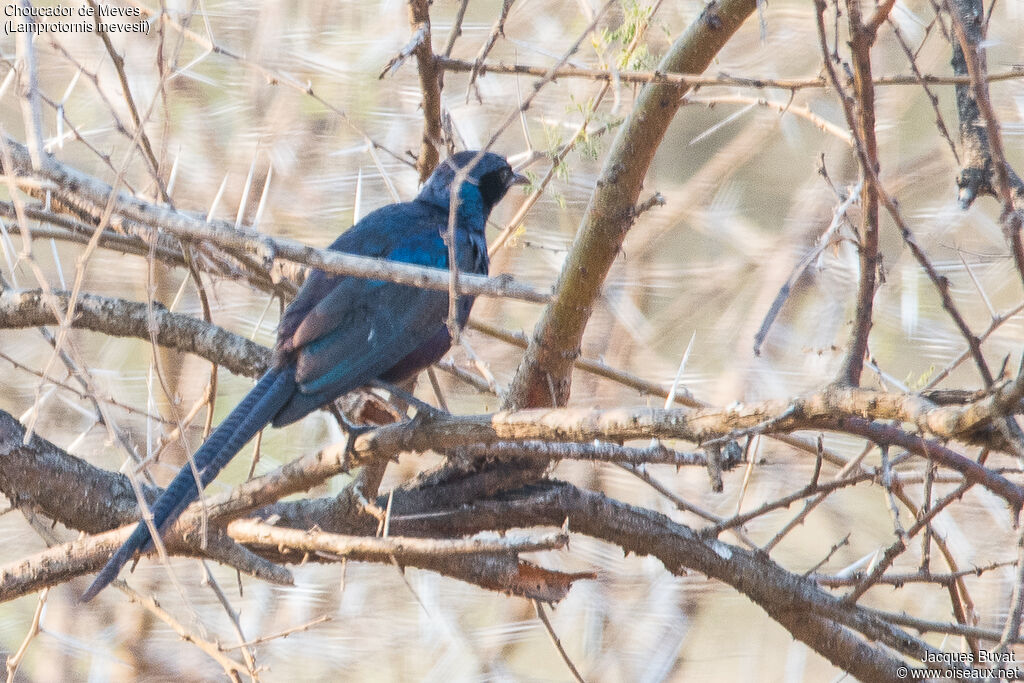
[744, 410]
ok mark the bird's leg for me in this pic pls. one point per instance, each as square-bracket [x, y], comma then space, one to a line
[352, 430]
[357, 494]
[422, 407]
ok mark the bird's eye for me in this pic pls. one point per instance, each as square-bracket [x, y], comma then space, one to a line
[506, 175]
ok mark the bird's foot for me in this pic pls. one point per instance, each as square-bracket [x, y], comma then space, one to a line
[423, 409]
[369, 507]
[352, 432]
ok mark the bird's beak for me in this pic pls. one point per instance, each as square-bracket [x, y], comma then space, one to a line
[519, 179]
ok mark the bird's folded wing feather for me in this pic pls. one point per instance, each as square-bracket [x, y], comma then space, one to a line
[359, 328]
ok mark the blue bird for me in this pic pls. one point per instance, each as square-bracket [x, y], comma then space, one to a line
[341, 333]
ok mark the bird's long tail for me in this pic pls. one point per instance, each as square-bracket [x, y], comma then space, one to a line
[250, 416]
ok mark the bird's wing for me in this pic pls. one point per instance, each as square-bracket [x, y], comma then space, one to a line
[345, 331]
[368, 237]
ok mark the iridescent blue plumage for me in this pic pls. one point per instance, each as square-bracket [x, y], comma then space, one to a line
[342, 332]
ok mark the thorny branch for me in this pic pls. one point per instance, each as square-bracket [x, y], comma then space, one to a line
[431, 523]
[85, 198]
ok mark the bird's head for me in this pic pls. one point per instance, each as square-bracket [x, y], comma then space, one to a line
[486, 181]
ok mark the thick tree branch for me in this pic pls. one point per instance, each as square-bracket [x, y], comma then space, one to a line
[81, 496]
[123, 318]
[544, 375]
[821, 620]
[812, 615]
[430, 84]
[985, 169]
[835, 409]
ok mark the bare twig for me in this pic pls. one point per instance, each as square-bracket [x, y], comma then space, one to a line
[542, 615]
[722, 80]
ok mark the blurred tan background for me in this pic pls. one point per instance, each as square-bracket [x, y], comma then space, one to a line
[744, 202]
